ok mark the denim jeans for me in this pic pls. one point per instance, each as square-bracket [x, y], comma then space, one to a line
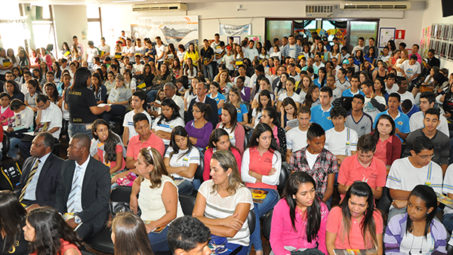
[115, 111]
[260, 209]
[447, 220]
[159, 240]
[75, 128]
[151, 95]
[185, 187]
[208, 71]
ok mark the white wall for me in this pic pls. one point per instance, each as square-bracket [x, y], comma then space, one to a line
[433, 15]
[70, 20]
[119, 17]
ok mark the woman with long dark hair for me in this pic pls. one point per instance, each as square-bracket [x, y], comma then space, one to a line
[270, 117]
[219, 141]
[260, 171]
[107, 147]
[417, 231]
[99, 90]
[182, 160]
[129, 235]
[299, 218]
[81, 103]
[52, 92]
[355, 223]
[167, 121]
[49, 234]
[388, 145]
[228, 122]
[12, 219]
[199, 128]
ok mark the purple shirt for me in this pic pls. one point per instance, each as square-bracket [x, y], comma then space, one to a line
[202, 134]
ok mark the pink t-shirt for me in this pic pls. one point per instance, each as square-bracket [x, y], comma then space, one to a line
[7, 113]
[335, 225]
[112, 164]
[375, 175]
[135, 145]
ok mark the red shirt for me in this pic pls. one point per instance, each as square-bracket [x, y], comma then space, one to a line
[261, 164]
[135, 145]
[351, 170]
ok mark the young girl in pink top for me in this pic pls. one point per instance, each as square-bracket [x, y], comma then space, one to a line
[356, 223]
[261, 166]
[299, 218]
[5, 112]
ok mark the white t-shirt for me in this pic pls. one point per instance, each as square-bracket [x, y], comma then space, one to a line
[54, 117]
[218, 207]
[370, 109]
[227, 60]
[159, 51]
[394, 88]
[341, 143]
[296, 139]
[447, 186]
[24, 119]
[342, 86]
[91, 53]
[167, 126]
[404, 176]
[311, 158]
[409, 69]
[416, 122]
[183, 159]
[128, 50]
[231, 135]
[129, 122]
[407, 95]
[422, 245]
[295, 97]
[105, 49]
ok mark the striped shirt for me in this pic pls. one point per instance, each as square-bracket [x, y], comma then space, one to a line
[218, 207]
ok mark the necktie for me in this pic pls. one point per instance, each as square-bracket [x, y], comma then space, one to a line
[75, 187]
[30, 177]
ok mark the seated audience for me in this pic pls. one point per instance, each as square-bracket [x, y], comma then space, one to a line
[167, 121]
[138, 101]
[318, 162]
[418, 231]
[388, 145]
[264, 101]
[260, 170]
[270, 118]
[223, 204]
[40, 173]
[182, 160]
[82, 175]
[129, 235]
[234, 98]
[408, 172]
[364, 167]
[5, 111]
[228, 122]
[48, 233]
[427, 101]
[355, 223]
[12, 218]
[13, 90]
[296, 137]
[374, 101]
[201, 92]
[118, 99]
[21, 122]
[299, 218]
[157, 197]
[439, 139]
[33, 91]
[188, 235]
[357, 120]
[218, 141]
[107, 147]
[320, 114]
[217, 96]
[199, 128]
[401, 120]
[340, 140]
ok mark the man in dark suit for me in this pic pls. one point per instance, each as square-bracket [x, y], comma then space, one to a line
[201, 90]
[84, 189]
[41, 173]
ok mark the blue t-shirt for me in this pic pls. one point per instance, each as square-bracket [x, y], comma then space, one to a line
[317, 83]
[217, 99]
[241, 111]
[348, 93]
[321, 117]
[401, 122]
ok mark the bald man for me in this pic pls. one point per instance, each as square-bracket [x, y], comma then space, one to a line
[84, 190]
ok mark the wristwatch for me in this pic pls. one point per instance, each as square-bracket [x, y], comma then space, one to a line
[77, 219]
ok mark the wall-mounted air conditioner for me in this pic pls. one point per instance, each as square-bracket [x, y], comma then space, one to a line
[377, 5]
[320, 11]
[159, 7]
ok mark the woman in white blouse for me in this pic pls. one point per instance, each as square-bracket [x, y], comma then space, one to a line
[158, 197]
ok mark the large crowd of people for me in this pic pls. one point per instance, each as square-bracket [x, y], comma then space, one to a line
[351, 125]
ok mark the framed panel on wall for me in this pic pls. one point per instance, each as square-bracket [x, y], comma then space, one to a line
[386, 34]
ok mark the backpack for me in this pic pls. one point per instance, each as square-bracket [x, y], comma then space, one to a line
[10, 174]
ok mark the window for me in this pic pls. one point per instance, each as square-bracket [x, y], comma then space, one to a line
[365, 29]
[278, 28]
[94, 24]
